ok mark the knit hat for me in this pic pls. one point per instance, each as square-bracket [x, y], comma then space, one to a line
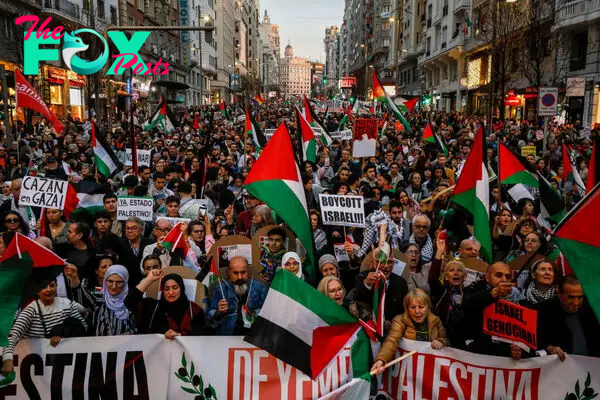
[327, 259]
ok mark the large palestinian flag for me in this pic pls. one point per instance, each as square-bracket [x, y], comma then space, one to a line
[160, 119]
[472, 191]
[577, 238]
[82, 202]
[275, 179]
[309, 142]
[253, 131]
[314, 121]
[17, 264]
[106, 159]
[381, 96]
[307, 330]
[515, 169]
[570, 174]
[407, 105]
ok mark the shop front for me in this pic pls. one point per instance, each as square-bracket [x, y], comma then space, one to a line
[513, 105]
[64, 92]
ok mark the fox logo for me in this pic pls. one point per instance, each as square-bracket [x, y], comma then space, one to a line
[73, 45]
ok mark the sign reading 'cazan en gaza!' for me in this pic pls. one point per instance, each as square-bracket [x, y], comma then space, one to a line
[43, 192]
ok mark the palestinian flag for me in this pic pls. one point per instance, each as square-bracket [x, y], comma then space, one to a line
[223, 110]
[209, 273]
[407, 105]
[379, 301]
[593, 176]
[307, 330]
[381, 96]
[313, 120]
[346, 117]
[254, 131]
[515, 169]
[160, 119]
[430, 136]
[20, 264]
[309, 142]
[82, 202]
[105, 158]
[570, 174]
[175, 242]
[472, 191]
[275, 180]
[577, 238]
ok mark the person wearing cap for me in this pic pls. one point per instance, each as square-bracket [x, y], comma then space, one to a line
[129, 184]
[328, 266]
[244, 219]
[53, 171]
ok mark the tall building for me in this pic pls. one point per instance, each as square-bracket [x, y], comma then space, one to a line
[225, 48]
[269, 73]
[295, 74]
[331, 45]
[410, 21]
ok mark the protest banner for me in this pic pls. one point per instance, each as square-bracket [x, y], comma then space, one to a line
[174, 221]
[511, 323]
[143, 157]
[365, 137]
[130, 206]
[527, 150]
[346, 134]
[342, 210]
[269, 133]
[151, 367]
[43, 192]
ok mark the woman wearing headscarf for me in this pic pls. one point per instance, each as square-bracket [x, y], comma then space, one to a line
[110, 316]
[291, 261]
[173, 315]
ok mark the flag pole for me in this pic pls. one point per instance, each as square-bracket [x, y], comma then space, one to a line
[396, 361]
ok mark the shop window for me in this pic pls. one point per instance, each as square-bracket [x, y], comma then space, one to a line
[56, 94]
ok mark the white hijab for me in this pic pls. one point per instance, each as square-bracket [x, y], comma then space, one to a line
[295, 256]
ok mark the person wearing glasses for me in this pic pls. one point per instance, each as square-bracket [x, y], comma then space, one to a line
[420, 235]
[418, 273]
[332, 287]
[132, 248]
[200, 236]
[110, 316]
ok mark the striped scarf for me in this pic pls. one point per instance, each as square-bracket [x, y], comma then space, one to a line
[537, 296]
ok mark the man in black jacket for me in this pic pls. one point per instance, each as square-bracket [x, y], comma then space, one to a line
[132, 249]
[395, 291]
[566, 324]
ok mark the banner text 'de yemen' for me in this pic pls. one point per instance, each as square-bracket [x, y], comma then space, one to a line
[255, 374]
[429, 376]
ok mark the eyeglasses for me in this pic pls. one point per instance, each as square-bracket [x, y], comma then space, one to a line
[132, 228]
[412, 252]
[11, 220]
[421, 226]
[110, 282]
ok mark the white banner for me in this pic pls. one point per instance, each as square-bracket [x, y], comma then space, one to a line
[269, 133]
[140, 207]
[43, 192]
[143, 157]
[152, 367]
[342, 210]
[175, 221]
[346, 134]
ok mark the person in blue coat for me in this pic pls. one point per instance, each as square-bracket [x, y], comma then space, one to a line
[236, 302]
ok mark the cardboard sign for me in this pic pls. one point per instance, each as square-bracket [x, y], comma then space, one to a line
[225, 253]
[43, 192]
[140, 207]
[340, 253]
[269, 133]
[511, 323]
[342, 210]
[143, 157]
[365, 137]
[527, 150]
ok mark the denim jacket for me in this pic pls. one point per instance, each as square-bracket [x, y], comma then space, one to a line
[225, 324]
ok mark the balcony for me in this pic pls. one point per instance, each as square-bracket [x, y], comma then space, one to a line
[61, 8]
[461, 5]
[437, 18]
[577, 12]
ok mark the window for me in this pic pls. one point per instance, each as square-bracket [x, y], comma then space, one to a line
[130, 21]
[113, 16]
[578, 51]
[387, 25]
[386, 42]
[101, 9]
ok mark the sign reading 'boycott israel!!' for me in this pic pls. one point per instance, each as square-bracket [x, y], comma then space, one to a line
[342, 210]
[140, 207]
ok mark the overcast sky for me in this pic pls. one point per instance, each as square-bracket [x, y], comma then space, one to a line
[303, 23]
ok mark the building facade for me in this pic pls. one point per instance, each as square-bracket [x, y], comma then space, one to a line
[225, 45]
[269, 71]
[295, 74]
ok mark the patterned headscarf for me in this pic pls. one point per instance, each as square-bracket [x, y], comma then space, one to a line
[116, 303]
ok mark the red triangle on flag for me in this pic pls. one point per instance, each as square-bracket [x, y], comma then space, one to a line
[307, 111]
[276, 161]
[471, 172]
[305, 129]
[328, 342]
[40, 255]
[410, 104]
[428, 134]
[581, 224]
[71, 201]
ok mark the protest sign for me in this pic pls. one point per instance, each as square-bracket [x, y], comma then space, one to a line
[150, 367]
[342, 210]
[365, 137]
[340, 253]
[43, 192]
[269, 133]
[511, 323]
[174, 221]
[225, 253]
[346, 134]
[143, 157]
[130, 206]
[527, 150]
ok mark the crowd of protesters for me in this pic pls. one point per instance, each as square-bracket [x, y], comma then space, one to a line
[406, 187]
